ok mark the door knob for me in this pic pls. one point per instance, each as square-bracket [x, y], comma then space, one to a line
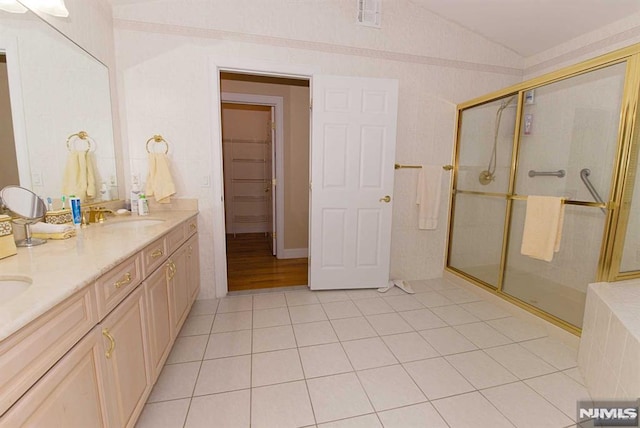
[266, 189]
[386, 199]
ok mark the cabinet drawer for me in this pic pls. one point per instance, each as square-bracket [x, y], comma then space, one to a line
[114, 286]
[29, 353]
[190, 226]
[154, 255]
[175, 238]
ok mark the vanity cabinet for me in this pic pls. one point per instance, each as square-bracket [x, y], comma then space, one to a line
[129, 318]
[193, 267]
[28, 354]
[178, 289]
[160, 329]
[71, 394]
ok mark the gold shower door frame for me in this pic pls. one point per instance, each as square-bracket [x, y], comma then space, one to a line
[622, 183]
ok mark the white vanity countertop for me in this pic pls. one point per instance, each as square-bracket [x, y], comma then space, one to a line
[61, 268]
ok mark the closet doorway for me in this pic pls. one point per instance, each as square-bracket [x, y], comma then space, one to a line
[265, 147]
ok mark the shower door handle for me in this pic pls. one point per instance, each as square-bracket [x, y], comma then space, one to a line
[386, 199]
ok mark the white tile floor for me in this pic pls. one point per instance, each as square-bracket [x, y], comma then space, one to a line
[442, 357]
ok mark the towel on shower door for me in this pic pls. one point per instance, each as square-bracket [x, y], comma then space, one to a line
[542, 227]
[428, 196]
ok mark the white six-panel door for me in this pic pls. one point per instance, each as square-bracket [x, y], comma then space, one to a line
[352, 156]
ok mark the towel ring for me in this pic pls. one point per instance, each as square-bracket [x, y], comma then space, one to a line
[82, 135]
[158, 139]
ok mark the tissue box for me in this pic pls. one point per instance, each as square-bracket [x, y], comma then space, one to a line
[7, 243]
[58, 217]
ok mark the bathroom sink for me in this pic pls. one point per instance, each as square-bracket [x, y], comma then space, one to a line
[132, 223]
[12, 286]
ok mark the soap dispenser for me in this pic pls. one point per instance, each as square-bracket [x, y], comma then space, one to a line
[143, 205]
[135, 194]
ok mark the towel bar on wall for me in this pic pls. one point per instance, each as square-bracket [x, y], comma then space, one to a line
[399, 166]
[559, 173]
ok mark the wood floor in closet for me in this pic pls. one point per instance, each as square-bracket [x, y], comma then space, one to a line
[250, 264]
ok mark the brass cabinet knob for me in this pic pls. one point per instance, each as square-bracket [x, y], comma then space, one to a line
[447, 167]
[386, 199]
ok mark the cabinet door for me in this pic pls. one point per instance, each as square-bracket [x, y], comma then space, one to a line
[159, 322]
[69, 395]
[126, 356]
[178, 290]
[193, 268]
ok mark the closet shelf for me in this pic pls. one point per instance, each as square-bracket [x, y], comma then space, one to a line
[249, 160]
[249, 198]
[251, 219]
[249, 180]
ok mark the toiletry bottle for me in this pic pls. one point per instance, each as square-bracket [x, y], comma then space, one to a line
[143, 205]
[135, 194]
[103, 191]
[76, 210]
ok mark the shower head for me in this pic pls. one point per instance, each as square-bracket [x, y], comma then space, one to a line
[488, 175]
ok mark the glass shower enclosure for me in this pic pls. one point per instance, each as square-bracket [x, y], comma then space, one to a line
[569, 135]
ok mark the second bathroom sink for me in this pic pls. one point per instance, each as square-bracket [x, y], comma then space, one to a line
[12, 286]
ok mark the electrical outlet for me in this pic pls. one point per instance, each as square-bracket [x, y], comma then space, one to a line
[36, 179]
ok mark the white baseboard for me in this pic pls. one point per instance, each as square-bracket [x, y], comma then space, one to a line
[294, 253]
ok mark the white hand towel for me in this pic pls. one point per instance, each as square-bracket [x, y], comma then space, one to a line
[79, 178]
[428, 196]
[41, 227]
[159, 181]
[542, 227]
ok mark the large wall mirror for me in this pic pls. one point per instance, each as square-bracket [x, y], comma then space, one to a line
[50, 89]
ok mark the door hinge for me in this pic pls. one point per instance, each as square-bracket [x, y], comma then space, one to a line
[273, 182]
[311, 104]
[274, 235]
[273, 125]
[310, 185]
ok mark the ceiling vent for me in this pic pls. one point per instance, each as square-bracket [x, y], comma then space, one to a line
[369, 12]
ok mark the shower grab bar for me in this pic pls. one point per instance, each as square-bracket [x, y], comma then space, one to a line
[559, 173]
[584, 176]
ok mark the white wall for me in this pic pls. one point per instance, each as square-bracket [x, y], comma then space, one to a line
[165, 51]
[619, 34]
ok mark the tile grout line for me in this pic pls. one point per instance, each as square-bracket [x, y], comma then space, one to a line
[215, 313]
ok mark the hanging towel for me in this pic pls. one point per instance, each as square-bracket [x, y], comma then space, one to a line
[542, 227]
[79, 178]
[159, 181]
[428, 196]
